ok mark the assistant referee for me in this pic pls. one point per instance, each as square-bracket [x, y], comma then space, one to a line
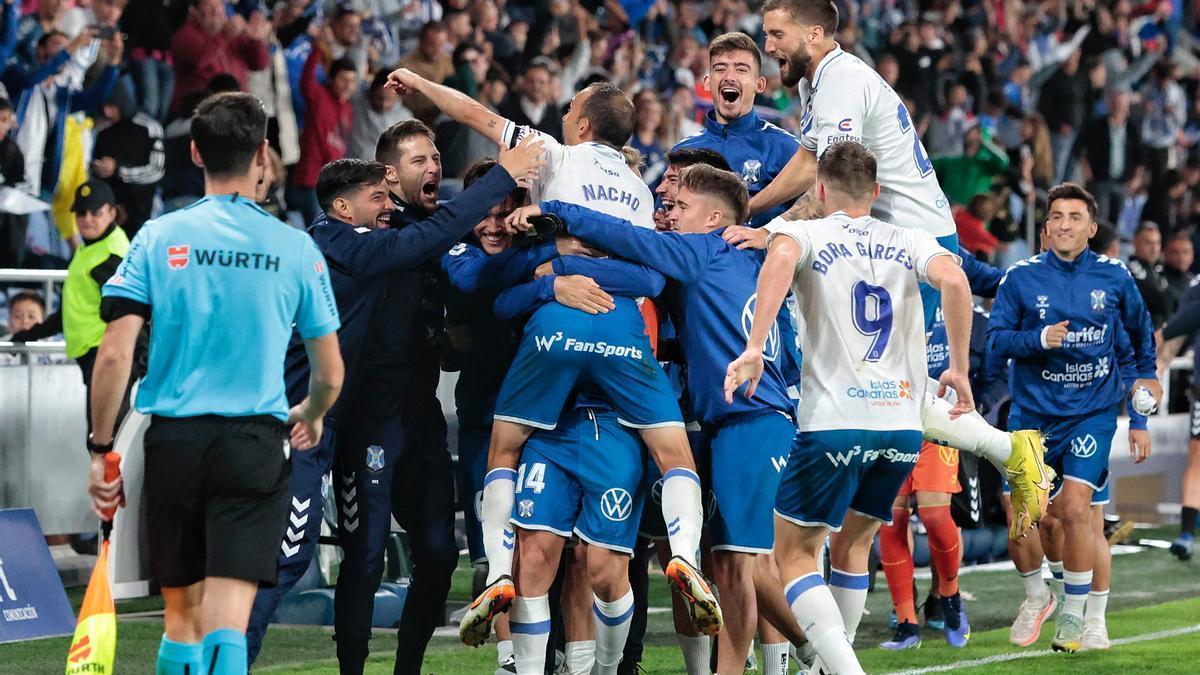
[222, 284]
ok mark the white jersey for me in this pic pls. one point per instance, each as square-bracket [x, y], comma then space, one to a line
[848, 101]
[589, 174]
[860, 321]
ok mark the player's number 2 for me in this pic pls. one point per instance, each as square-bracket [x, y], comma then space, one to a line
[872, 311]
[923, 164]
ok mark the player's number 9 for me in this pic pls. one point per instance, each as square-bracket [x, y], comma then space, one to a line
[924, 166]
[872, 311]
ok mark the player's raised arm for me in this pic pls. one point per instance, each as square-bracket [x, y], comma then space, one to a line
[797, 177]
[773, 283]
[945, 275]
[457, 105]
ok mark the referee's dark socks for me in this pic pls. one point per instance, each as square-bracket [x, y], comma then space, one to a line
[224, 653]
[1187, 524]
[179, 658]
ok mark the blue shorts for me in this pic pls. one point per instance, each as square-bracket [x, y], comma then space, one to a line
[1077, 448]
[830, 472]
[473, 445]
[585, 478]
[930, 296]
[745, 455]
[1099, 497]
[563, 347]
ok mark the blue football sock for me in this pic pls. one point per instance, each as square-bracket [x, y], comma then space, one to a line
[225, 653]
[178, 658]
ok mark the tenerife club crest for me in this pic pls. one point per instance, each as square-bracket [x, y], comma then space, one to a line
[751, 171]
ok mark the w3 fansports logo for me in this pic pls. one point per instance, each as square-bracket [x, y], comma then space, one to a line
[616, 504]
[545, 343]
[1083, 446]
[771, 349]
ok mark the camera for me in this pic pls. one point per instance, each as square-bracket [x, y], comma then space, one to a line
[545, 228]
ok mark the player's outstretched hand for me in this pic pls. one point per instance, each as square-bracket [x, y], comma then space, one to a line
[518, 220]
[404, 81]
[523, 161]
[962, 389]
[582, 293]
[745, 237]
[1139, 445]
[306, 432]
[746, 368]
[106, 495]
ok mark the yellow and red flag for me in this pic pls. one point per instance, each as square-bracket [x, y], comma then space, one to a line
[95, 643]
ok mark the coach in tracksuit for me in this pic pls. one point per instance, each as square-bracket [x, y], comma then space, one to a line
[1058, 315]
[755, 149]
[368, 266]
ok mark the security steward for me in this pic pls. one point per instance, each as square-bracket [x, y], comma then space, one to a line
[223, 283]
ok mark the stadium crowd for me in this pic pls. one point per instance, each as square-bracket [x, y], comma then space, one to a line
[461, 108]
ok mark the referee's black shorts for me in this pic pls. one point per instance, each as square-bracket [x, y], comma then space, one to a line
[216, 497]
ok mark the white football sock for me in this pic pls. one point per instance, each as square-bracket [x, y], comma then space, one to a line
[1096, 606]
[775, 658]
[1035, 589]
[683, 513]
[498, 537]
[969, 433]
[821, 620]
[1076, 586]
[850, 592]
[581, 657]
[1056, 576]
[612, 629]
[697, 653]
[529, 621]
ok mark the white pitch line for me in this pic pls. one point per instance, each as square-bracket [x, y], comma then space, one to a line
[1001, 658]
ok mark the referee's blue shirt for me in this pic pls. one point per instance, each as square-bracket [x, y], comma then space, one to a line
[225, 283]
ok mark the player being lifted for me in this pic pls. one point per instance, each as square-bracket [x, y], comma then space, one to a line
[588, 170]
[845, 100]
[861, 330]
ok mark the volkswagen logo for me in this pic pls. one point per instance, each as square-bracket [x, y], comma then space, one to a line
[1083, 446]
[616, 504]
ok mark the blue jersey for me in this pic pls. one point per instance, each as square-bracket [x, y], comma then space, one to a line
[225, 282]
[983, 280]
[1098, 296]
[755, 149]
[712, 310]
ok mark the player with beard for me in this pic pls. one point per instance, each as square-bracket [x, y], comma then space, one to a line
[756, 149]
[589, 169]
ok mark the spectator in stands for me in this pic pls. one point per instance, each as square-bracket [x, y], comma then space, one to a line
[650, 135]
[183, 181]
[972, 172]
[1146, 268]
[149, 25]
[347, 39]
[375, 108]
[1165, 203]
[211, 42]
[1062, 104]
[26, 309]
[12, 162]
[948, 130]
[104, 247]
[1164, 110]
[532, 104]
[33, 27]
[129, 155]
[972, 221]
[1178, 256]
[1110, 152]
[430, 60]
[327, 122]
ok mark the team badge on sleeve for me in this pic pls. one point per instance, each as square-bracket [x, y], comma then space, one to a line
[178, 256]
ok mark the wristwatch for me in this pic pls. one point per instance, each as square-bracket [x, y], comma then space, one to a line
[99, 448]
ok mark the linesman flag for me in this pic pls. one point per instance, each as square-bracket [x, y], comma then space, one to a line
[95, 643]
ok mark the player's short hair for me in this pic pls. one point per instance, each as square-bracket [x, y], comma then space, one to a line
[685, 157]
[734, 42]
[480, 168]
[1103, 239]
[634, 158]
[849, 168]
[1072, 191]
[28, 296]
[611, 114]
[823, 13]
[228, 129]
[346, 175]
[723, 185]
[387, 149]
